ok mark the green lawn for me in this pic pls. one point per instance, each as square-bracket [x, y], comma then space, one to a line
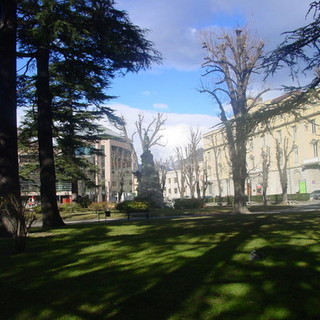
[174, 269]
[165, 212]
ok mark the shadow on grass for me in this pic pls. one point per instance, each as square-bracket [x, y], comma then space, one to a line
[179, 269]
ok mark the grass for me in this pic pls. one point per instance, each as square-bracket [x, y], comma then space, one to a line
[167, 269]
[165, 212]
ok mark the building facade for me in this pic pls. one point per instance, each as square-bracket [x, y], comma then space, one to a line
[115, 162]
[288, 143]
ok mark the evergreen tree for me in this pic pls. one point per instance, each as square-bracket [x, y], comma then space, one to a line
[299, 51]
[9, 170]
[93, 39]
[9, 182]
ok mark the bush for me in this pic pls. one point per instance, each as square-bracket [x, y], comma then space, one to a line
[228, 200]
[70, 207]
[37, 209]
[133, 206]
[188, 203]
[101, 206]
[83, 201]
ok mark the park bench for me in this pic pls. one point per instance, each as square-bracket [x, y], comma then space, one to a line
[138, 213]
[106, 213]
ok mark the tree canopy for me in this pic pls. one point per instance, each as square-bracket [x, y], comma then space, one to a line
[300, 51]
[75, 48]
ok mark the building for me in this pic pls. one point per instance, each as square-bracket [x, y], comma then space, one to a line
[111, 161]
[178, 183]
[115, 162]
[289, 141]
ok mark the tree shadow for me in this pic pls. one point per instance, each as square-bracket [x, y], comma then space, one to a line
[178, 269]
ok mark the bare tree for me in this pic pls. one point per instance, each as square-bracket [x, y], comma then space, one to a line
[204, 179]
[283, 152]
[178, 166]
[121, 164]
[265, 155]
[217, 149]
[233, 59]
[188, 165]
[162, 167]
[122, 127]
[194, 142]
[150, 136]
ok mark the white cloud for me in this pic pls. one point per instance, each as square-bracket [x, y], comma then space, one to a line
[177, 127]
[160, 106]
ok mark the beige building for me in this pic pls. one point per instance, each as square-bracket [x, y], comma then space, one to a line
[298, 143]
[116, 164]
[176, 188]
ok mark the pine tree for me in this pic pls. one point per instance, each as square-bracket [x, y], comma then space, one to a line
[93, 39]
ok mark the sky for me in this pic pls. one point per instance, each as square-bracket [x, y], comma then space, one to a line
[172, 88]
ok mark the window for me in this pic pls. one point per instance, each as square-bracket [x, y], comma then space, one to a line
[313, 126]
[252, 162]
[175, 180]
[175, 190]
[169, 180]
[315, 148]
[294, 132]
[279, 135]
[296, 155]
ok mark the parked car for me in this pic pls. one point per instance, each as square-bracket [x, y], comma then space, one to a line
[315, 195]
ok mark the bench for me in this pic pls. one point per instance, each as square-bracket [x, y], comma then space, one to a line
[106, 213]
[138, 213]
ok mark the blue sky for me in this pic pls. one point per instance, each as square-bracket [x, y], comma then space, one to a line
[172, 87]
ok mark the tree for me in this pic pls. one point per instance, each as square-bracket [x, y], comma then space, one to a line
[162, 166]
[9, 172]
[283, 152]
[187, 166]
[178, 167]
[149, 184]
[217, 149]
[195, 154]
[233, 59]
[204, 179]
[265, 155]
[89, 36]
[121, 164]
[11, 217]
[295, 52]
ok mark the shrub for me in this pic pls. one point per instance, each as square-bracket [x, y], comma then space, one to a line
[70, 207]
[228, 200]
[133, 206]
[188, 203]
[101, 206]
[37, 209]
[83, 201]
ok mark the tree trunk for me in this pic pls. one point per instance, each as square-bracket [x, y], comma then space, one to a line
[240, 205]
[9, 168]
[284, 185]
[9, 165]
[74, 189]
[121, 189]
[239, 172]
[49, 207]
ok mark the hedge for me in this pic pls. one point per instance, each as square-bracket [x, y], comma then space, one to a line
[188, 203]
[129, 206]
